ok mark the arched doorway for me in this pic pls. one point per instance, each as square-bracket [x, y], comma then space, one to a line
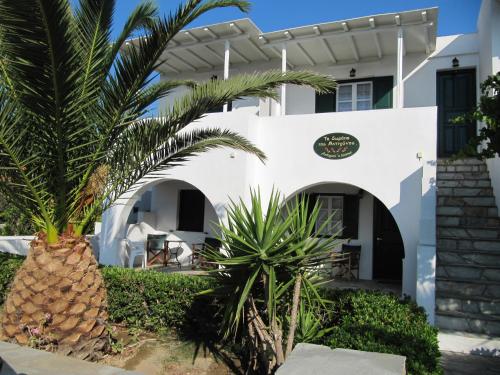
[364, 221]
[171, 207]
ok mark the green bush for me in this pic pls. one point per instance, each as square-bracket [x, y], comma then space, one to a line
[154, 300]
[360, 320]
[9, 264]
[379, 322]
[146, 299]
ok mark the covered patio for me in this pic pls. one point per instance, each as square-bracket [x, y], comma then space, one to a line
[168, 223]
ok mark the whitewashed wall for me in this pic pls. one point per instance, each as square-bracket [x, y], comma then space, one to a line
[18, 245]
[386, 166]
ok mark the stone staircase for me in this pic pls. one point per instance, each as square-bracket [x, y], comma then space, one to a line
[468, 249]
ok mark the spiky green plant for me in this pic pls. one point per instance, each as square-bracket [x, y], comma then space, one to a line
[73, 137]
[270, 257]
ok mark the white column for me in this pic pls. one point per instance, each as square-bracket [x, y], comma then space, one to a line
[227, 47]
[283, 87]
[399, 76]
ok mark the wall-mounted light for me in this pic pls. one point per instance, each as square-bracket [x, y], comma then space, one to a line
[352, 73]
[455, 63]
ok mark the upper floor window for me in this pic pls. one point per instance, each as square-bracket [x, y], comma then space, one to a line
[356, 96]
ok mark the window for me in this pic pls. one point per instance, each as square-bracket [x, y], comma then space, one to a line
[354, 96]
[330, 205]
[345, 211]
[191, 210]
[357, 95]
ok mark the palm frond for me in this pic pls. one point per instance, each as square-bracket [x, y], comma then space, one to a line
[214, 93]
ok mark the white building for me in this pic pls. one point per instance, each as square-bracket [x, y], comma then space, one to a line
[398, 85]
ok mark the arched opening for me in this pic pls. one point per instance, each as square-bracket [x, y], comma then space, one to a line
[175, 208]
[364, 224]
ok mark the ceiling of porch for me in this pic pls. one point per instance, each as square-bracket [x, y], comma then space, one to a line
[356, 40]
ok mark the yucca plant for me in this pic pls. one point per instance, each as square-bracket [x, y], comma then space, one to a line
[269, 258]
[73, 138]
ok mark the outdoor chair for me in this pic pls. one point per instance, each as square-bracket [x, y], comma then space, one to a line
[174, 250]
[135, 249]
[197, 260]
[156, 249]
[354, 252]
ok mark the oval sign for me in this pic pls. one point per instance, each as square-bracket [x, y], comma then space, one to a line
[336, 146]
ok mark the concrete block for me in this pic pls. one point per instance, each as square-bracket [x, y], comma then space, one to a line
[309, 359]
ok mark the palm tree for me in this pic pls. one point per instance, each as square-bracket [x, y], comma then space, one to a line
[73, 138]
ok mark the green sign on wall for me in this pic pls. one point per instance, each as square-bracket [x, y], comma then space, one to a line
[336, 146]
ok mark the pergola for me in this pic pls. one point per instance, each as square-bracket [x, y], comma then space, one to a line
[353, 41]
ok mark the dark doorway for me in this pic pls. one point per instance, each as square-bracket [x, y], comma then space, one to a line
[456, 95]
[388, 248]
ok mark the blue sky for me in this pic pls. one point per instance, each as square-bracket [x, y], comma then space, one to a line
[456, 16]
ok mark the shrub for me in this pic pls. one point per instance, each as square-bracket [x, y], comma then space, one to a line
[146, 299]
[154, 300]
[378, 322]
[360, 320]
[9, 264]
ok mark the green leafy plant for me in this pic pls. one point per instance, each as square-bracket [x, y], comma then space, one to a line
[153, 300]
[74, 135]
[487, 143]
[311, 323]
[361, 320]
[9, 264]
[267, 262]
[378, 322]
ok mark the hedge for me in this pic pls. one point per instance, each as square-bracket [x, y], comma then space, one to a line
[361, 320]
[380, 322]
[9, 264]
[154, 300]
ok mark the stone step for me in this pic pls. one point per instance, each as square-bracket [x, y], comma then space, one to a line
[469, 288]
[466, 221]
[463, 176]
[467, 211]
[478, 232]
[463, 183]
[462, 168]
[467, 201]
[477, 258]
[468, 322]
[464, 192]
[465, 271]
[466, 161]
[475, 305]
[464, 245]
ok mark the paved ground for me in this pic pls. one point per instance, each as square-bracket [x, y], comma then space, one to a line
[469, 364]
[19, 360]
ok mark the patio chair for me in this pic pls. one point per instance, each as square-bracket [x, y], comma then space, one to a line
[198, 248]
[157, 246]
[354, 252]
[135, 249]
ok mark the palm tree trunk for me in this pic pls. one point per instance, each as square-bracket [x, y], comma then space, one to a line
[60, 291]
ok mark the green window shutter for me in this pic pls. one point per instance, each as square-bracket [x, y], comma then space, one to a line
[351, 216]
[382, 92]
[325, 102]
[191, 211]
